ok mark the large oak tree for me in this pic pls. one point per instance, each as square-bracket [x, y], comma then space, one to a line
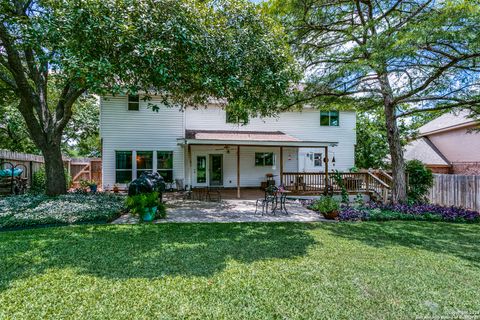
[400, 56]
[54, 51]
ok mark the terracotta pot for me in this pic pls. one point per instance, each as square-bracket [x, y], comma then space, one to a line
[116, 189]
[331, 215]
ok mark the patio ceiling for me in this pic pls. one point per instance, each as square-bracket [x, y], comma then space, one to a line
[248, 138]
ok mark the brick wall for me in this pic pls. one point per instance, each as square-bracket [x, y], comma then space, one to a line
[466, 168]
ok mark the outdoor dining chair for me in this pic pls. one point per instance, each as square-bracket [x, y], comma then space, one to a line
[270, 197]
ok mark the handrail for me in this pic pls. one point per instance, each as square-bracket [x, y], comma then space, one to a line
[378, 180]
[386, 174]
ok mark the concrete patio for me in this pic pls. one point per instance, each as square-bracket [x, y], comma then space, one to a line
[227, 211]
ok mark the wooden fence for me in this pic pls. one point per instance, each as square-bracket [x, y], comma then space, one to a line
[78, 168]
[456, 190]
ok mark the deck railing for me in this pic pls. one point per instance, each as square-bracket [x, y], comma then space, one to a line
[311, 183]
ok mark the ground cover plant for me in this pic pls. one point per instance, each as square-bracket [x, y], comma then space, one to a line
[370, 270]
[40, 209]
[427, 212]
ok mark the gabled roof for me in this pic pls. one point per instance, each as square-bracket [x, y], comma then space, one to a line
[424, 150]
[255, 138]
[446, 122]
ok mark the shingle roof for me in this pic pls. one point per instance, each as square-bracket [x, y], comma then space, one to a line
[448, 120]
[422, 149]
[277, 136]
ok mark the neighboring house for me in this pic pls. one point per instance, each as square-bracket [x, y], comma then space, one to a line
[205, 147]
[448, 144]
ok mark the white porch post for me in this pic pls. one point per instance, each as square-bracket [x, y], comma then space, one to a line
[134, 165]
[238, 172]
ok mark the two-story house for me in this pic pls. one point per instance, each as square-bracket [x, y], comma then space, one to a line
[206, 147]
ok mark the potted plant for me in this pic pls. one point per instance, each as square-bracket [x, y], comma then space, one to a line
[144, 205]
[92, 184]
[327, 206]
[116, 189]
[88, 184]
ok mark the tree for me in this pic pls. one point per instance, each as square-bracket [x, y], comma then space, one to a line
[401, 56]
[52, 52]
[13, 132]
[371, 150]
[81, 136]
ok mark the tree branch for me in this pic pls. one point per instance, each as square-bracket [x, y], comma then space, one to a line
[469, 104]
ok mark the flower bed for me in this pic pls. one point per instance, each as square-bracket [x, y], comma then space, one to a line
[29, 210]
[430, 212]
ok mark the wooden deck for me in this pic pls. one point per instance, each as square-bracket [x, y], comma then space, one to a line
[375, 184]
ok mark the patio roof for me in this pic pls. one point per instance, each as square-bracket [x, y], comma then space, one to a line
[252, 138]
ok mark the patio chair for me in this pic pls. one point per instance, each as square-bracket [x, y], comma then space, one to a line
[270, 197]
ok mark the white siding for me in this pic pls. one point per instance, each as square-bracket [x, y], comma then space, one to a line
[303, 125]
[146, 130]
[143, 130]
[250, 175]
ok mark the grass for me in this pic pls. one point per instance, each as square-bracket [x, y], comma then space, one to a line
[389, 270]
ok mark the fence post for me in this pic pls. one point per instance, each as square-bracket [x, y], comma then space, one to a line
[30, 172]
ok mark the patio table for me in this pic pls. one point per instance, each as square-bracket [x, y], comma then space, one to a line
[282, 194]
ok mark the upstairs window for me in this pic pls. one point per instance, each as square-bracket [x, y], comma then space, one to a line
[133, 102]
[123, 166]
[233, 118]
[165, 165]
[264, 159]
[330, 118]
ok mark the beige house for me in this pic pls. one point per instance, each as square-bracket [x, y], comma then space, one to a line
[448, 144]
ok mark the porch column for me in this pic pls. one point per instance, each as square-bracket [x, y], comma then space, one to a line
[281, 165]
[238, 172]
[326, 169]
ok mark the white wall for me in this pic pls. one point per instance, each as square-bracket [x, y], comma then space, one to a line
[147, 130]
[143, 130]
[303, 125]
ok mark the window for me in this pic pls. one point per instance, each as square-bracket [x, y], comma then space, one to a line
[165, 165]
[144, 162]
[263, 159]
[133, 102]
[123, 166]
[317, 159]
[233, 118]
[329, 118]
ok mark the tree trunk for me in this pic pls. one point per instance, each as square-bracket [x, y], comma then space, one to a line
[55, 173]
[399, 190]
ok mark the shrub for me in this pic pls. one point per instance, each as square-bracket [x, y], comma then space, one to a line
[39, 180]
[325, 205]
[139, 202]
[161, 211]
[420, 180]
[339, 180]
[40, 209]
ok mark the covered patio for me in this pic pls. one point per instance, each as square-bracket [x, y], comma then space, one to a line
[240, 144]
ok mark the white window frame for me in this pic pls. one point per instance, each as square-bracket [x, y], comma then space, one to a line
[133, 102]
[320, 159]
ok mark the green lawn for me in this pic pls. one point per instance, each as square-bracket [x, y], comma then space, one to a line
[388, 270]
